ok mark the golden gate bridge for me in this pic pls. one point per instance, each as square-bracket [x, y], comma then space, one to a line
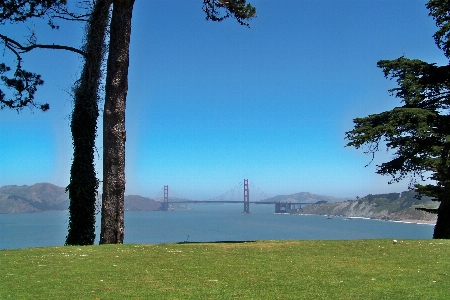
[280, 207]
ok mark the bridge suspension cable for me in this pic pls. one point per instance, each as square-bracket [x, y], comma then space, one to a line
[159, 196]
[262, 193]
[177, 195]
[227, 193]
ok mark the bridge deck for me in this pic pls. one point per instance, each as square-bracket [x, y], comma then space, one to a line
[231, 201]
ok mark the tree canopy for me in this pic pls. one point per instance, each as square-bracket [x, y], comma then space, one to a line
[418, 131]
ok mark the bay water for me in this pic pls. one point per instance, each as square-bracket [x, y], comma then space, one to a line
[207, 223]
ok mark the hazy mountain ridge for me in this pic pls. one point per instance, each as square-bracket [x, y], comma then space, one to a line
[41, 197]
[32, 198]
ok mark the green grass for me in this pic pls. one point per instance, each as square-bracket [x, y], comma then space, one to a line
[361, 269]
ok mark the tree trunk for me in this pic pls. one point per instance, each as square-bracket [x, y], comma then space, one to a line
[83, 181]
[112, 227]
[442, 228]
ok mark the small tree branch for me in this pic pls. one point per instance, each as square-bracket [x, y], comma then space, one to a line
[65, 14]
[14, 46]
[80, 18]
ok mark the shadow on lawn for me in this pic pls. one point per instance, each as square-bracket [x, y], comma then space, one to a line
[216, 242]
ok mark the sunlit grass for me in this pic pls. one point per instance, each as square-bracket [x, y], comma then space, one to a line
[362, 269]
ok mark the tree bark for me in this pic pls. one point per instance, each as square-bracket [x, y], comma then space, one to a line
[83, 180]
[442, 228]
[114, 134]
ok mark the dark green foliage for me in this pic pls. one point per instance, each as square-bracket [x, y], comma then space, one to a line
[439, 10]
[22, 10]
[24, 84]
[418, 132]
[238, 9]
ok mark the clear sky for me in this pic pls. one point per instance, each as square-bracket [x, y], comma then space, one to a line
[210, 104]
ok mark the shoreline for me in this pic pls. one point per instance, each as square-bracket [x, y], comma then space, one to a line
[421, 222]
[418, 222]
[406, 221]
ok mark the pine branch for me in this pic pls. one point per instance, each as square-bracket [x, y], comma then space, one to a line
[18, 48]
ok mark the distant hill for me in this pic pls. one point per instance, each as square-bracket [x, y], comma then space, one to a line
[393, 206]
[41, 197]
[139, 203]
[32, 198]
[304, 197]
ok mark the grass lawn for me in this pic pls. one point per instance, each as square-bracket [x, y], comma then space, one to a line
[361, 269]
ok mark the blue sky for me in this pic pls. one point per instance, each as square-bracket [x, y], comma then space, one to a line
[210, 104]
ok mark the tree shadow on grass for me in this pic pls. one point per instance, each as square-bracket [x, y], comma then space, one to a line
[216, 242]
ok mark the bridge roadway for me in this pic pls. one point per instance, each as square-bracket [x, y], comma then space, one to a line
[233, 201]
[280, 207]
[220, 201]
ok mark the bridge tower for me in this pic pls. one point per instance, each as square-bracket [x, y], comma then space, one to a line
[246, 197]
[165, 205]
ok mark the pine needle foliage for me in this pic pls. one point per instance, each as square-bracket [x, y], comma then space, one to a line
[418, 131]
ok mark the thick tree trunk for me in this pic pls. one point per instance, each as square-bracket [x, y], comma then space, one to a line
[83, 181]
[112, 228]
[442, 228]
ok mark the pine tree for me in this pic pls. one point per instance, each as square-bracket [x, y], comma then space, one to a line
[418, 131]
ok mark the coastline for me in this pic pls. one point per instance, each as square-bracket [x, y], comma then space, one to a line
[422, 222]
[406, 221]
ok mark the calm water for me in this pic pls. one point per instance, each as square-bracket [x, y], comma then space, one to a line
[207, 222]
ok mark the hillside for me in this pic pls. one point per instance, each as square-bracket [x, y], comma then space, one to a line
[139, 203]
[41, 197]
[32, 198]
[303, 197]
[393, 206]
